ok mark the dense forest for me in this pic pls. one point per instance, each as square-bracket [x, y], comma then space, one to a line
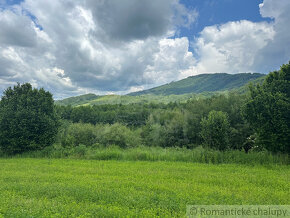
[256, 120]
[166, 125]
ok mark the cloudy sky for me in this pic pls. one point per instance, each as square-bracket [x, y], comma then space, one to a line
[72, 47]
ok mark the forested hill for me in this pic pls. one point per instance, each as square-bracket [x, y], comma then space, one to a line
[77, 100]
[203, 83]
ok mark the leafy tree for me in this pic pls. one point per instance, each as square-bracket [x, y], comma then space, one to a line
[27, 119]
[215, 130]
[268, 111]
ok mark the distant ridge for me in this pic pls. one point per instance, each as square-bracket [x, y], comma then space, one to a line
[77, 100]
[202, 83]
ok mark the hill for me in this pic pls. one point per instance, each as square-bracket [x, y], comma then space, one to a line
[77, 100]
[203, 83]
[82, 100]
[200, 86]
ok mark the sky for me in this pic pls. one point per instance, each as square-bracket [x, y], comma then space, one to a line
[73, 47]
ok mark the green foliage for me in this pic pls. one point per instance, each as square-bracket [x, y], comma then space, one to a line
[79, 133]
[90, 135]
[268, 111]
[166, 129]
[215, 130]
[167, 125]
[131, 115]
[230, 104]
[27, 119]
[120, 135]
[153, 133]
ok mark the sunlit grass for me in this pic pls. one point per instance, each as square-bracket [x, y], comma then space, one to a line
[70, 188]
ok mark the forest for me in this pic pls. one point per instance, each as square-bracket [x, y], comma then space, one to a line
[257, 120]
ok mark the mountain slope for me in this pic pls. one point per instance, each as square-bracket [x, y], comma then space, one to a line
[203, 83]
[77, 100]
[127, 99]
[200, 86]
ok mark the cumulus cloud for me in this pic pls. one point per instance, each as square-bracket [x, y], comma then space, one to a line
[277, 51]
[231, 47]
[71, 47]
[97, 46]
[171, 60]
[245, 46]
[128, 20]
[131, 19]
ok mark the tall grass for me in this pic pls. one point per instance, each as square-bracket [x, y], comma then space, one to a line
[88, 188]
[144, 153]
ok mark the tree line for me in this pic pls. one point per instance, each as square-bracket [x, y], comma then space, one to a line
[258, 120]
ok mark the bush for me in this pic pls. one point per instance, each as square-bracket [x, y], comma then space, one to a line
[215, 130]
[96, 135]
[166, 129]
[79, 133]
[118, 134]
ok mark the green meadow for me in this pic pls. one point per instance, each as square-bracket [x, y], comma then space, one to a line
[88, 188]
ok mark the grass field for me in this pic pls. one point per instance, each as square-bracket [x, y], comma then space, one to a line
[145, 153]
[84, 188]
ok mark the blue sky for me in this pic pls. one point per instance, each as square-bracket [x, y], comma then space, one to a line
[216, 12]
[73, 47]
[11, 2]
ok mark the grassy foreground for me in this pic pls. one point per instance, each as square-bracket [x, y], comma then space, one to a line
[87, 188]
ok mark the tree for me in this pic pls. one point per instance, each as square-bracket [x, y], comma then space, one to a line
[27, 119]
[215, 130]
[268, 111]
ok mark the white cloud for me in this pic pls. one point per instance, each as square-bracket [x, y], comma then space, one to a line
[73, 46]
[244, 46]
[273, 9]
[231, 47]
[95, 46]
[171, 60]
[277, 51]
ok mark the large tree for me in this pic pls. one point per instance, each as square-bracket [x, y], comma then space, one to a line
[268, 110]
[27, 119]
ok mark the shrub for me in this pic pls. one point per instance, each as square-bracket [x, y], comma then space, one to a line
[79, 133]
[97, 135]
[215, 130]
[118, 134]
